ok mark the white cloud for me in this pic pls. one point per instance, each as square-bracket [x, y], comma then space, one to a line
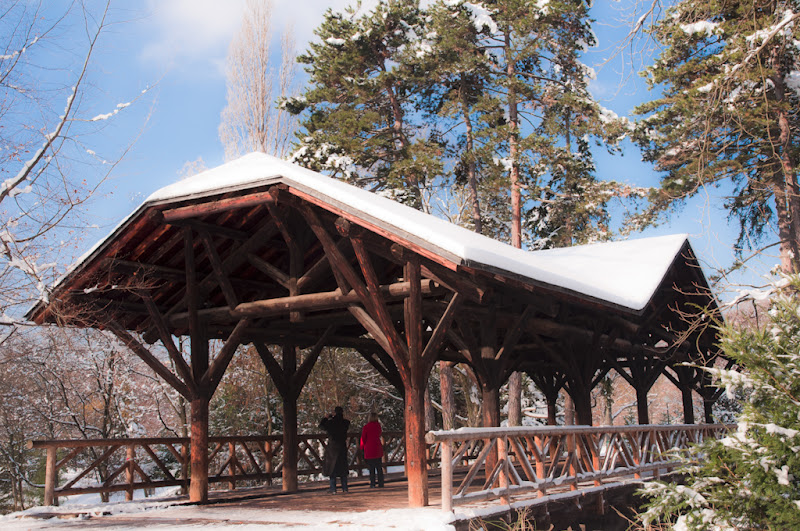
[190, 33]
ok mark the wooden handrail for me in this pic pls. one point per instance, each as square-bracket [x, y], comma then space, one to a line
[235, 459]
[465, 434]
[530, 460]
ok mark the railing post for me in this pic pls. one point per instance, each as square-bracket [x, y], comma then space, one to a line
[572, 456]
[447, 476]
[129, 457]
[541, 457]
[184, 467]
[268, 463]
[502, 458]
[232, 465]
[594, 447]
[50, 477]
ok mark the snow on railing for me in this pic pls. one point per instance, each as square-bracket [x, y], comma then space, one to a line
[480, 464]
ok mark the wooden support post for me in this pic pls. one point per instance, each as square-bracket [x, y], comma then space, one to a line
[416, 448]
[50, 477]
[490, 413]
[130, 455]
[198, 483]
[642, 410]
[708, 409]
[688, 405]
[289, 469]
[582, 400]
[684, 382]
[198, 486]
[232, 466]
[551, 410]
[447, 476]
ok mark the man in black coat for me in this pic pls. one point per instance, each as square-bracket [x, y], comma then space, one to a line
[335, 462]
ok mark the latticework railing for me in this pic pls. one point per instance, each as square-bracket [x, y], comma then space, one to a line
[501, 463]
[126, 465]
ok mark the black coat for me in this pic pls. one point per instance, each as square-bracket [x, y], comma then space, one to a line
[335, 461]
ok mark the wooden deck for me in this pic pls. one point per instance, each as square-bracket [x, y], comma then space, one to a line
[312, 507]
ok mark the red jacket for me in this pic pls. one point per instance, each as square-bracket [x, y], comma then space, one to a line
[371, 440]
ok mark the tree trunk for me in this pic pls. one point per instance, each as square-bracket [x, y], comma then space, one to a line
[789, 194]
[472, 178]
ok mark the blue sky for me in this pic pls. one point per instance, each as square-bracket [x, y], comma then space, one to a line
[178, 47]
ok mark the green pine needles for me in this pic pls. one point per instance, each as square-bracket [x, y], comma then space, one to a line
[751, 478]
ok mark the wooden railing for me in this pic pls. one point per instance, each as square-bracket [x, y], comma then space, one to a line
[500, 463]
[114, 465]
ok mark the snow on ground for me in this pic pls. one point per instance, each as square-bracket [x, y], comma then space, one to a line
[160, 515]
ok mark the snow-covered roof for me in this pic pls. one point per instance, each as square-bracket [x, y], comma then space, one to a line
[625, 273]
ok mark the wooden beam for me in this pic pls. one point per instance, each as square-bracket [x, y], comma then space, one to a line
[201, 226]
[274, 369]
[219, 271]
[301, 375]
[270, 270]
[513, 334]
[385, 366]
[217, 206]
[316, 272]
[373, 328]
[442, 327]
[146, 356]
[214, 374]
[166, 339]
[236, 257]
[310, 302]
[374, 301]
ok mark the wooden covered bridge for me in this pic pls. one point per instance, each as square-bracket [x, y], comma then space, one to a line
[259, 251]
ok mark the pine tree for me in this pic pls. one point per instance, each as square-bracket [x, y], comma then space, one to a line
[455, 63]
[749, 479]
[572, 204]
[361, 122]
[728, 114]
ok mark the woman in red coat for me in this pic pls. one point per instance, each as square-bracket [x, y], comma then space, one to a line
[372, 447]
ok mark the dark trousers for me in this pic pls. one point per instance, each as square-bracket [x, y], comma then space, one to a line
[343, 480]
[375, 468]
